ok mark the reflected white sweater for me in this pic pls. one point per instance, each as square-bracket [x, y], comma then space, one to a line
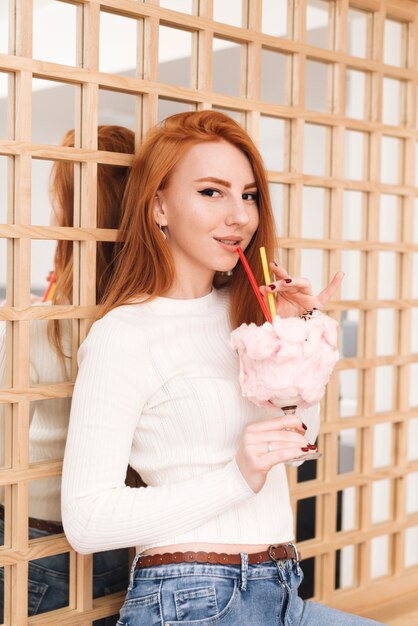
[158, 388]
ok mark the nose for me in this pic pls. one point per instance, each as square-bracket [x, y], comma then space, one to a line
[238, 212]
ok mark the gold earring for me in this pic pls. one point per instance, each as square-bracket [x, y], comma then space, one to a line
[161, 231]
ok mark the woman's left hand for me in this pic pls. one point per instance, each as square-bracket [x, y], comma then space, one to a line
[294, 296]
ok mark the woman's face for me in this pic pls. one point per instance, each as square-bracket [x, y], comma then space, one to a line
[208, 209]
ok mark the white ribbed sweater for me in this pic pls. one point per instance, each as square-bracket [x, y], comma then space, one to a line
[158, 388]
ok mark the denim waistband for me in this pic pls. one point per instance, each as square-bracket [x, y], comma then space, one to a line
[268, 569]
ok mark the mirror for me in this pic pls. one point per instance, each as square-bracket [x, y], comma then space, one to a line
[411, 546]
[355, 94]
[379, 556]
[318, 28]
[383, 390]
[317, 92]
[230, 12]
[382, 445]
[381, 501]
[358, 32]
[412, 493]
[227, 54]
[175, 57]
[57, 44]
[272, 142]
[275, 18]
[274, 71]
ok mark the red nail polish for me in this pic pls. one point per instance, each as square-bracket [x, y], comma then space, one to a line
[287, 280]
[305, 449]
[272, 286]
[304, 426]
[311, 446]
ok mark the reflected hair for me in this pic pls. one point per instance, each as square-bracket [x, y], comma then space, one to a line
[144, 267]
[111, 182]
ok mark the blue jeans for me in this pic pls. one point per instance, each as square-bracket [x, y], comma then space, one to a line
[48, 583]
[226, 595]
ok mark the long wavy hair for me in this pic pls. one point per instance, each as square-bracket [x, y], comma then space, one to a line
[111, 182]
[144, 266]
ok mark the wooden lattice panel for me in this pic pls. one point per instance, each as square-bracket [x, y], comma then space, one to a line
[328, 90]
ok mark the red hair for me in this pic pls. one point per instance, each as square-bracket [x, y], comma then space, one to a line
[144, 265]
[111, 180]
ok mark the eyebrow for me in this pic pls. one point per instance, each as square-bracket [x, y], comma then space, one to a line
[220, 181]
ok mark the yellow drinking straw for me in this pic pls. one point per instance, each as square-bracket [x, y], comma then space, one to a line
[270, 297]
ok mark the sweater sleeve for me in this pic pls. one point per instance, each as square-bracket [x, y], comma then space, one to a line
[99, 512]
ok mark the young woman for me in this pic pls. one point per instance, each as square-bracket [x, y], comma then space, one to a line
[50, 362]
[158, 388]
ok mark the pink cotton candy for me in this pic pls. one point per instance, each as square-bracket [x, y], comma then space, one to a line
[292, 358]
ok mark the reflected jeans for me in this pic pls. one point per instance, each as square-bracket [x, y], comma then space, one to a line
[226, 595]
[48, 584]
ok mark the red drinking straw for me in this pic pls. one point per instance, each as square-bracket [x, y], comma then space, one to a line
[254, 285]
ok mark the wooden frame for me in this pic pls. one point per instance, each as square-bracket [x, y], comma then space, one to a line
[17, 391]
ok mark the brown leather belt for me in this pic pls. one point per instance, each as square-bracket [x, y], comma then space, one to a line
[274, 553]
[52, 528]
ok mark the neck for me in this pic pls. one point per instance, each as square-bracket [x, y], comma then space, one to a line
[180, 291]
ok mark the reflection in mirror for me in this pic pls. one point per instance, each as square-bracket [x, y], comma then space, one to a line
[2, 574]
[168, 107]
[305, 519]
[112, 620]
[348, 390]
[393, 48]
[313, 209]
[385, 332]
[183, 6]
[383, 389]
[118, 44]
[318, 24]
[45, 504]
[315, 150]
[48, 367]
[351, 266]
[272, 142]
[412, 493]
[411, 546]
[346, 450]
[41, 577]
[414, 329]
[175, 57]
[273, 77]
[107, 581]
[413, 387]
[347, 508]
[355, 147]
[4, 29]
[42, 264]
[387, 273]
[412, 439]
[379, 557]
[228, 12]
[275, 18]
[381, 500]
[277, 195]
[53, 110]
[345, 567]
[382, 444]
[352, 215]
[392, 99]
[4, 106]
[116, 107]
[355, 94]
[316, 86]
[312, 268]
[306, 589]
[357, 32]
[415, 211]
[390, 160]
[226, 54]
[349, 326]
[54, 31]
[41, 201]
[388, 217]
[49, 416]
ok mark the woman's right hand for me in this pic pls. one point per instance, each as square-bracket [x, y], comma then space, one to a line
[267, 443]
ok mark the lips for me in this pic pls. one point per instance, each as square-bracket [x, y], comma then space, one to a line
[229, 241]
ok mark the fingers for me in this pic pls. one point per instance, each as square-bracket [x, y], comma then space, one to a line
[275, 424]
[301, 285]
[327, 293]
[278, 270]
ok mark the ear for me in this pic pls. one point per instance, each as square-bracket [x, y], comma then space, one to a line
[159, 210]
